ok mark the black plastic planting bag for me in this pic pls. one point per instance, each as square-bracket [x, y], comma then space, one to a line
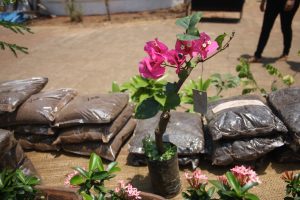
[184, 130]
[14, 93]
[109, 150]
[37, 142]
[242, 117]
[286, 103]
[99, 132]
[13, 157]
[97, 109]
[226, 153]
[40, 108]
[286, 155]
[33, 129]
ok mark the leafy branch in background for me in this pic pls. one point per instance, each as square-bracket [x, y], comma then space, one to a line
[292, 186]
[15, 185]
[74, 12]
[249, 83]
[16, 28]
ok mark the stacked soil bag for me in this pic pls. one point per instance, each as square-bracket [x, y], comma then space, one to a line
[99, 124]
[242, 129]
[12, 155]
[31, 121]
[286, 104]
[184, 130]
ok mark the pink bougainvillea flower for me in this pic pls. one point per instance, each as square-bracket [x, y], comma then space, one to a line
[175, 58]
[245, 175]
[196, 179]
[149, 68]
[187, 47]
[205, 47]
[127, 191]
[156, 49]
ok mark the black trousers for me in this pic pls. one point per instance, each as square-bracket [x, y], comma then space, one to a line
[273, 8]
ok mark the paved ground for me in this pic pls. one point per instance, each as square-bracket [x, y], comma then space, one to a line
[89, 57]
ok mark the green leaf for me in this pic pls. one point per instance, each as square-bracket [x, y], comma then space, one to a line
[194, 20]
[250, 196]
[85, 196]
[115, 87]
[183, 22]
[205, 85]
[211, 191]
[186, 37]
[147, 109]
[288, 80]
[20, 176]
[112, 166]
[217, 184]
[95, 163]
[183, 74]
[220, 40]
[82, 171]
[233, 182]
[140, 81]
[100, 175]
[77, 180]
[248, 186]
[160, 98]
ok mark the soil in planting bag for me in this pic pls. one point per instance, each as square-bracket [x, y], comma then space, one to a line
[7, 141]
[13, 93]
[109, 150]
[100, 132]
[37, 142]
[242, 117]
[184, 130]
[40, 108]
[226, 153]
[33, 130]
[99, 109]
[286, 103]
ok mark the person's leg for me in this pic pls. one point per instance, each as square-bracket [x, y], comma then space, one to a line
[286, 18]
[270, 15]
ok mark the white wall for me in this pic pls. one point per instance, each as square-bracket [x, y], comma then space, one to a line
[96, 7]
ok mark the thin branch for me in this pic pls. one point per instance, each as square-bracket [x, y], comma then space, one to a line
[15, 27]
[13, 47]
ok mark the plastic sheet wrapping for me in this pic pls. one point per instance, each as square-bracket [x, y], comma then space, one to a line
[33, 130]
[109, 150]
[101, 132]
[286, 103]
[7, 141]
[40, 108]
[13, 93]
[242, 117]
[286, 155]
[37, 142]
[184, 130]
[226, 153]
[97, 109]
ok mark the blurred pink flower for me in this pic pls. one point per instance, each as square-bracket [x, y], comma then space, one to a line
[223, 180]
[196, 179]
[127, 191]
[187, 47]
[69, 177]
[156, 49]
[205, 46]
[175, 58]
[245, 175]
[149, 68]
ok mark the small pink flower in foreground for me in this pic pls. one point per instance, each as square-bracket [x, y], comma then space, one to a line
[175, 58]
[127, 192]
[156, 49]
[196, 179]
[245, 175]
[187, 47]
[69, 177]
[223, 180]
[149, 68]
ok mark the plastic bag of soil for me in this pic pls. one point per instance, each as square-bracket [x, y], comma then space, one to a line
[242, 117]
[14, 157]
[13, 93]
[109, 150]
[40, 108]
[37, 142]
[33, 130]
[226, 153]
[184, 130]
[286, 155]
[101, 132]
[286, 103]
[98, 109]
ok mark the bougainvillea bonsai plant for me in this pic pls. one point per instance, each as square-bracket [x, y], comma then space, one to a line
[192, 47]
[236, 183]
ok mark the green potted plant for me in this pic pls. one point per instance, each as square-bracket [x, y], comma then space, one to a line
[292, 188]
[191, 48]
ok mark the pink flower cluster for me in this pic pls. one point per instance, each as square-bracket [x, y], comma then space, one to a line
[69, 177]
[243, 174]
[196, 179]
[159, 56]
[127, 191]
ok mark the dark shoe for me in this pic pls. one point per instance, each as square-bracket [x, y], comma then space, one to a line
[254, 59]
